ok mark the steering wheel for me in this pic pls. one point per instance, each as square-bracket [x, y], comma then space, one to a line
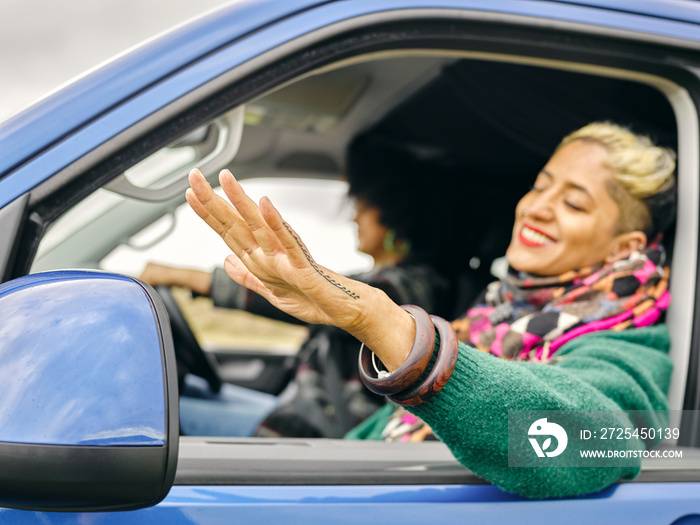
[190, 356]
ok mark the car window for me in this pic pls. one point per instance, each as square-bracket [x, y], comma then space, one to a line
[419, 102]
[319, 210]
[320, 213]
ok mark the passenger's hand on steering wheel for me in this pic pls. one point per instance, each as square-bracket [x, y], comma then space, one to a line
[162, 275]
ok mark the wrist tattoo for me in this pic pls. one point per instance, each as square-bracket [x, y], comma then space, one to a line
[315, 266]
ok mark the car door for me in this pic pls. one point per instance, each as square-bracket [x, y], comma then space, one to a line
[241, 55]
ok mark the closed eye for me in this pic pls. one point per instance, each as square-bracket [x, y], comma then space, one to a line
[574, 206]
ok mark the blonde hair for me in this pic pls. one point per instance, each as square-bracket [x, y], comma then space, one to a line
[643, 171]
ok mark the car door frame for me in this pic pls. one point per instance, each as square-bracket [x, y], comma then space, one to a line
[221, 89]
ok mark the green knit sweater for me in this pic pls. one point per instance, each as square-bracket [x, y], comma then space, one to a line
[628, 370]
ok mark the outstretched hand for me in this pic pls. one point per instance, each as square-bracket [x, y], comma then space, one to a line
[270, 259]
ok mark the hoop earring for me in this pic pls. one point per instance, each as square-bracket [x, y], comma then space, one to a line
[390, 245]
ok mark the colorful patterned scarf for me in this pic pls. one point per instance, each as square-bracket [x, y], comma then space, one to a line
[529, 318]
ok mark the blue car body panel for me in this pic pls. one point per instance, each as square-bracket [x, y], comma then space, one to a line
[204, 505]
[681, 10]
[45, 139]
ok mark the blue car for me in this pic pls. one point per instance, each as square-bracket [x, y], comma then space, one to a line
[91, 361]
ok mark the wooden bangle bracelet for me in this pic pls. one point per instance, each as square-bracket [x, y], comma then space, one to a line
[414, 365]
[440, 372]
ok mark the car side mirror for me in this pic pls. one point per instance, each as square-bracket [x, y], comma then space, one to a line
[89, 415]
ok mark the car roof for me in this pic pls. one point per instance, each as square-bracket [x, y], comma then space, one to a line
[681, 10]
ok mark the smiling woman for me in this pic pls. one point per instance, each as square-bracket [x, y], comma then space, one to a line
[566, 221]
[571, 276]
[581, 209]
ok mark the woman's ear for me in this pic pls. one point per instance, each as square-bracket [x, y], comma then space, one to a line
[626, 243]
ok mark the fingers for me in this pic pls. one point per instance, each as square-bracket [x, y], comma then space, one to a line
[291, 242]
[247, 226]
[213, 223]
[250, 213]
[237, 271]
[218, 214]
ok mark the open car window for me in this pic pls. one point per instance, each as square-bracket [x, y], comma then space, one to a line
[446, 108]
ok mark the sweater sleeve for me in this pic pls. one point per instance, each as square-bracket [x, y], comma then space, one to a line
[602, 371]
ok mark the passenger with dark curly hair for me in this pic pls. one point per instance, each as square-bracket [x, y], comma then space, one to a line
[326, 397]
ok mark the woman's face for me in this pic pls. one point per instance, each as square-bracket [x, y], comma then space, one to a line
[567, 220]
[370, 231]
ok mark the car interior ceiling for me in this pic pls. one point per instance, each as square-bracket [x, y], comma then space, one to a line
[484, 129]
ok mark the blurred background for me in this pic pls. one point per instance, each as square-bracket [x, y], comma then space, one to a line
[44, 44]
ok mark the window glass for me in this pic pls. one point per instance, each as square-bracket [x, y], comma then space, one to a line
[317, 209]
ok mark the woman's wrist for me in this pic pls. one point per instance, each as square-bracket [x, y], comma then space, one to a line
[196, 280]
[424, 372]
[385, 328]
